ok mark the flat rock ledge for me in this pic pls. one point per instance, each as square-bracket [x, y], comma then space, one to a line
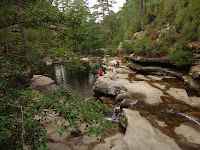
[141, 135]
[112, 84]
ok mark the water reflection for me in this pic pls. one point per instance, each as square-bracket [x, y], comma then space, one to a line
[80, 81]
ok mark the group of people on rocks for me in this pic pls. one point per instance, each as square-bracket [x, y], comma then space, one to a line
[101, 73]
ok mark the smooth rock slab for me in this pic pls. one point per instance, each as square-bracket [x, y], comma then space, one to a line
[180, 94]
[153, 95]
[141, 135]
[190, 133]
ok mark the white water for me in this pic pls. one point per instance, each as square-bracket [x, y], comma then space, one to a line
[184, 115]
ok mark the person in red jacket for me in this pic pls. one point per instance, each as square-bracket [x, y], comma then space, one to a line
[100, 73]
[117, 65]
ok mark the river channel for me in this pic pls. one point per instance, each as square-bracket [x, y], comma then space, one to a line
[171, 111]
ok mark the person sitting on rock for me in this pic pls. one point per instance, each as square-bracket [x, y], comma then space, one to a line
[101, 73]
[117, 65]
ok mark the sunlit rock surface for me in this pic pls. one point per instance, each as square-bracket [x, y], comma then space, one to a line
[191, 134]
[114, 84]
[141, 135]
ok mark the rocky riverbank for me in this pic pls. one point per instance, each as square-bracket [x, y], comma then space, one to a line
[161, 111]
[162, 66]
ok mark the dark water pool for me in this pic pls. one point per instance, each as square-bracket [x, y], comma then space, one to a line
[79, 81]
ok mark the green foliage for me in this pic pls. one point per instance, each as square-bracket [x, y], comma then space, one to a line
[182, 57]
[19, 126]
[122, 121]
[47, 32]
[127, 47]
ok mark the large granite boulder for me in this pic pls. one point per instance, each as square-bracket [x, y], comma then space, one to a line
[106, 86]
[42, 83]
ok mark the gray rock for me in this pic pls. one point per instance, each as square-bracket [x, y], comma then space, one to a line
[149, 60]
[195, 72]
[192, 83]
[42, 83]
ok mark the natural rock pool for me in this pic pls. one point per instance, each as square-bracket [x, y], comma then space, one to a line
[79, 81]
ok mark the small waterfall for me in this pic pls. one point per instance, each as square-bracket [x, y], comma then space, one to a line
[116, 113]
[118, 110]
[60, 73]
[184, 115]
[135, 102]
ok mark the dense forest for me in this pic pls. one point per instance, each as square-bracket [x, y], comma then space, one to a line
[33, 29]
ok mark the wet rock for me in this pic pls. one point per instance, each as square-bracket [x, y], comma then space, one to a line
[128, 102]
[160, 86]
[154, 78]
[123, 96]
[106, 100]
[141, 135]
[195, 72]
[128, 95]
[191, 134]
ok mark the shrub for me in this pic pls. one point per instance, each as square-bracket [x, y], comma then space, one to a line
[127, 47]
[182, 57]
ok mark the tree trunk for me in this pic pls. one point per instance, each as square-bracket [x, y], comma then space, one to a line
[145, 6]
[142, 15]
[22, 29]
[6, 47]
